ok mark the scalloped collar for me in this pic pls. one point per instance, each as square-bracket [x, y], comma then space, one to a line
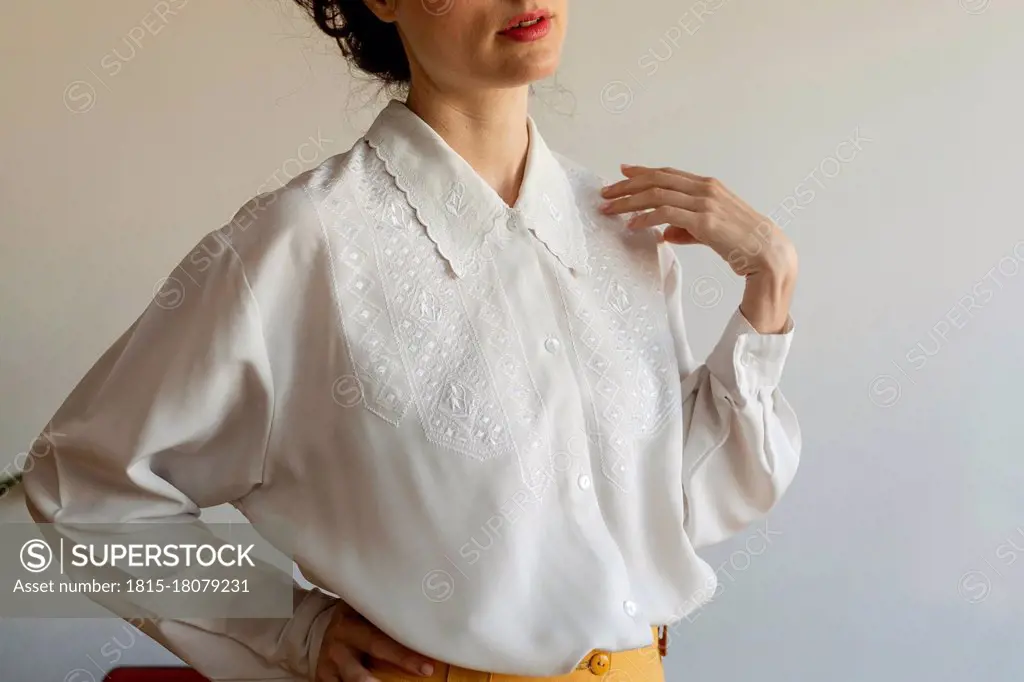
[462, 214]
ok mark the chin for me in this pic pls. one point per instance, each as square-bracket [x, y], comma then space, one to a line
[528, 71]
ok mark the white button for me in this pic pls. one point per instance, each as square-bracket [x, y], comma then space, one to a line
[552, 344]
[513, 221]
[583, 481]
[629, 607]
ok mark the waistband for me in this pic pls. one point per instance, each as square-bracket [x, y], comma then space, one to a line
[642, 664]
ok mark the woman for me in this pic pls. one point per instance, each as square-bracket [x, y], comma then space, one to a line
[448, 364]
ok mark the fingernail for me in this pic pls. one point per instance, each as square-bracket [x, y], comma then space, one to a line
[605, 206]
[604, 190]
[426, 668]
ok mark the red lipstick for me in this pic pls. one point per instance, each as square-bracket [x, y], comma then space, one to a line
[528, 27]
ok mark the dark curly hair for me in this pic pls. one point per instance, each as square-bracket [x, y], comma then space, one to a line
[370, 44]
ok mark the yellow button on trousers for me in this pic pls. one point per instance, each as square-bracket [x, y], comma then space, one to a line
[632, 665]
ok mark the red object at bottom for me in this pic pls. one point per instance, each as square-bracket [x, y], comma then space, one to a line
[142, 674]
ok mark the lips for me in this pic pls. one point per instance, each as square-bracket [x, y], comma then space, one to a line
[528, 27]
[527, 20]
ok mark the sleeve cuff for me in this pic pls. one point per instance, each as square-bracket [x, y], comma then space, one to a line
[316, 634]
[746, 361]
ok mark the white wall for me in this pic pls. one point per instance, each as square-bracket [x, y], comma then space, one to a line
[893, 557]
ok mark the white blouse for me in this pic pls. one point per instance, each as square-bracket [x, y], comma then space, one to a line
[483, 425]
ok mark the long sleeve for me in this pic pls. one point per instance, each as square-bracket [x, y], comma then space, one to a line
[741, 438]
[175, 417]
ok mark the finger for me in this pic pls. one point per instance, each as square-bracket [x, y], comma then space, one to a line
[639, 183]
[630, 170]
[655, 198]
[663, 215]
[365, 637]
[678, 235]
[704, 186]
[720, 199]
[349, 668]
[713, 189]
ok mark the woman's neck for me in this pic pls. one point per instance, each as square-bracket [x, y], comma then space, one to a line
[487, 129]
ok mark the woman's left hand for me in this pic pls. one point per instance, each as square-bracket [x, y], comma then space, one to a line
[701, 210]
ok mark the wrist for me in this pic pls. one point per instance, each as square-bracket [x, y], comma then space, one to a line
[766, 299]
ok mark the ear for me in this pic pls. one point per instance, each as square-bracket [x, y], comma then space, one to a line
[385, 10]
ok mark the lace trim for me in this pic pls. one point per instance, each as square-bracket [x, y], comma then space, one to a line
[566, 240]
[461, 257]
[627, 362]
[564, 237]
[449, 347]
[378, 382]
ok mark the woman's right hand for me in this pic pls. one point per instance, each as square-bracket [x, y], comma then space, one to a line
[350, 641]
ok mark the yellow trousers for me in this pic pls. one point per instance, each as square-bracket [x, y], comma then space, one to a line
[632, 665]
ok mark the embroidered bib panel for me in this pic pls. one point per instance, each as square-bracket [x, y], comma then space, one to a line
[448, 347]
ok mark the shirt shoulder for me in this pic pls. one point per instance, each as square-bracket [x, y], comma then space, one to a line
[288, 224]
[586, 187]
[608, 236]
[584, 180]
[274, 251]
